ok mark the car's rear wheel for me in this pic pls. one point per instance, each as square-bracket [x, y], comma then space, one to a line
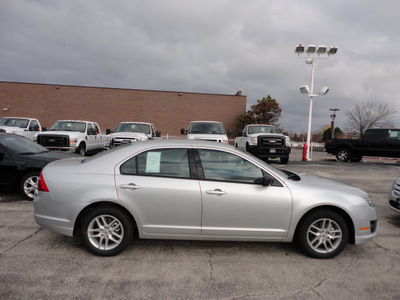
[29, 185]
[343, 155]
[106, 231]
[322, 234]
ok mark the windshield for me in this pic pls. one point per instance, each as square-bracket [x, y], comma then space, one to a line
[20, 145]
[263, 129]
[206, 128]
[133, 127]
[68, 126]
[12, 122]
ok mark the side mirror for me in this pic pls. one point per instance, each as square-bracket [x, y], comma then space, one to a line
[240, 133]
[229, 132]
[264, 181]
[158, 133]
[108, 131]
[285, 133]
[183, 131]
[44, 128]
[1, 156]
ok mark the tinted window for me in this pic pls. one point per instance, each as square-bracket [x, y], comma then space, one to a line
[224, 166]
[394, 134]
[163, 162]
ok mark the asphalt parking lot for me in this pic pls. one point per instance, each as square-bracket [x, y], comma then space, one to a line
[38, 264]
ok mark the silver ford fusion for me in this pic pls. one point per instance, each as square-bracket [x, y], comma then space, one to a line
[198, 190]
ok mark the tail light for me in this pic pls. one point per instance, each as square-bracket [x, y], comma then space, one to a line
[42, 187]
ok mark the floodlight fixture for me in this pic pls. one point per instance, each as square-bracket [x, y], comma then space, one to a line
[321, 49]
[299, 48]
[311, 49]
[332, 50]
[304, 89]
[324, 90]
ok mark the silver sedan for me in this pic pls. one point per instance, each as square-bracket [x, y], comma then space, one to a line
[198, 190]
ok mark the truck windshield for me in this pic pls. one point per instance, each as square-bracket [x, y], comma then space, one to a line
[133, 127]
[263, 129]
[206, 128]
[68, 126]
[12, 122]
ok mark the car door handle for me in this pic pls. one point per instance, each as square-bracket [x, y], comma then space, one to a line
[130, 186]
[215, 192]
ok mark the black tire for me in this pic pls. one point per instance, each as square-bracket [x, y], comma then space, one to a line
[81, 149]
[356, 158]
[106, 231]
[29, 185]
[343, 154]
[284, 160]
[322, 234]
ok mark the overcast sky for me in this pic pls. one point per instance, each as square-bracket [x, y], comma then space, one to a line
[210, 46]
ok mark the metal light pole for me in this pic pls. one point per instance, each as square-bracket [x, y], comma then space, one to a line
[333, 116]
[311, 55]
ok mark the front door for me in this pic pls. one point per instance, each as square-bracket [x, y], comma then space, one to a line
[233, 205]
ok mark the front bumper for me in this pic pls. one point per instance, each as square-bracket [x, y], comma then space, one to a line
[269, 152]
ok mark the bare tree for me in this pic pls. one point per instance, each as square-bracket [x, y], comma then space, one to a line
[367, 115]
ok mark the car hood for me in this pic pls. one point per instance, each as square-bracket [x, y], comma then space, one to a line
[70, 133]
[264, 133]
[124, 134]
[314, 182]
[207, 137]
[12, 129]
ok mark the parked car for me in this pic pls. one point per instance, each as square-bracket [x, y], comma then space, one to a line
[207, 131]
[380, 142]
[26, 127]
[394, 196]
[198, 190]
[264, 141]
[128, 132]
[21, 161]
[70, 135]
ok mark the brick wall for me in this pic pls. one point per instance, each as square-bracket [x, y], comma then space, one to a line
[169, 111]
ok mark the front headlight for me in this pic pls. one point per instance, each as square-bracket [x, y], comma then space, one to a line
[369, 200]
[72, 142]
[287, 140]
[253, 141]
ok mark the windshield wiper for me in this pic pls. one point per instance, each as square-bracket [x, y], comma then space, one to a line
[291, 175]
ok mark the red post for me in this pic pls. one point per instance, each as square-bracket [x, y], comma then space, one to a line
[305, 152]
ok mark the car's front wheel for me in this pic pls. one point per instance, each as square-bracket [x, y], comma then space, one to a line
[29, 185]
[322, 234]
[106, 231]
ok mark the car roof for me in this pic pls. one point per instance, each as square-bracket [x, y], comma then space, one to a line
[206, 122]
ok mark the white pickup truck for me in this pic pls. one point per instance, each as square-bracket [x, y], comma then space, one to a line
[128, 132]
[264, 141]
[207, 130]
[79, 136]
[26, 127]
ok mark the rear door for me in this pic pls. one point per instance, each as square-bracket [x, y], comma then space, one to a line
[158, 185]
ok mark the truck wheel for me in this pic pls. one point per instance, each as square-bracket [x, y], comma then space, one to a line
[356, 158]
[343, 155]
[81, 149]
[284, 160]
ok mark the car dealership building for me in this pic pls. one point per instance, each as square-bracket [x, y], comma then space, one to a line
[169, 111]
